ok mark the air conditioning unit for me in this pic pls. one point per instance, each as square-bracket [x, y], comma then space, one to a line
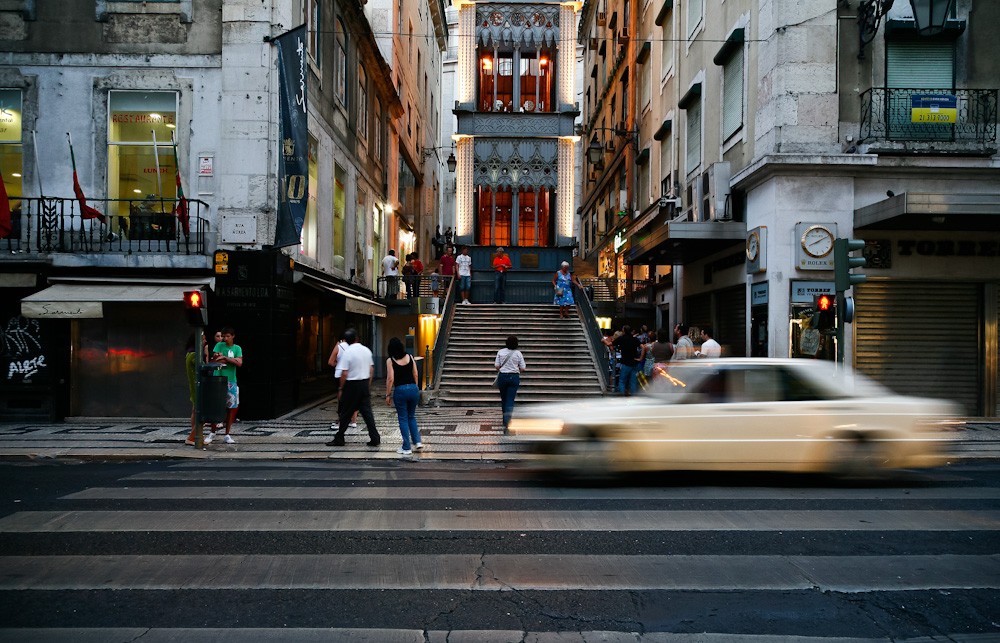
[714, 190]
[602, 18]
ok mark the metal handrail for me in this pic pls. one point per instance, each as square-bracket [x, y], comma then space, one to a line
[627, 290]
[594, 336]
[55, 225]
[444, 331]
[422, 282]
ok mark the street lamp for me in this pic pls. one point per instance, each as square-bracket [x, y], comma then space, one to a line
[452, 162]
[930, 16]
[595, 152]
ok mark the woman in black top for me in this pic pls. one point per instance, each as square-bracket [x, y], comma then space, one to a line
[401, 391]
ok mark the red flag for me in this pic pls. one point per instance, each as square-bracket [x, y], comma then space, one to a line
[181, 208]
[86, 211]
[5, 223]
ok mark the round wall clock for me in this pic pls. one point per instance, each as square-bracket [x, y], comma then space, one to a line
[817, 241]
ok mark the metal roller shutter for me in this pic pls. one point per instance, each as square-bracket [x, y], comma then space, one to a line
[920, 338]
[731, 325]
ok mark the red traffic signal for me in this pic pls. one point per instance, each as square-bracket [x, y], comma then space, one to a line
[195, 307]
[824, 303]
[824, 306]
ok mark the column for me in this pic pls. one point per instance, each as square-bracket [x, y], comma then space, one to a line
[466, 69]
[564, 195]
[464, 172]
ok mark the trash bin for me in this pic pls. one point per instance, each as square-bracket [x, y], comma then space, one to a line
[212, 395]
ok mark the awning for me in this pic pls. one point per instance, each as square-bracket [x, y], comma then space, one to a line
[683, 242]
[932, 211]
[353, 303]
[85, 300]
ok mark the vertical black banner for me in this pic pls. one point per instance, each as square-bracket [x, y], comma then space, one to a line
[293, 171]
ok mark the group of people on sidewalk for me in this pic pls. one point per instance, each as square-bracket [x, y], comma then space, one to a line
[227, 355]
[644, 354]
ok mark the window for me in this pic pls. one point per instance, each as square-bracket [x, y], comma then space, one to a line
[693, 136]
[645, 80]
[135, 169]
[667, 45]
[339, 215]
[694, 11]
[917, 66]
[311, 18]
[377, 114]
[732, 94]
[11, 150]
[362, 103]
[341, 37]
[360, 237]
[309, 235]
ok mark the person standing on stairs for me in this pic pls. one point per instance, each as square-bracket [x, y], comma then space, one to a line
[501, 264]
[563, 282]
[463, 263]
[509, 364]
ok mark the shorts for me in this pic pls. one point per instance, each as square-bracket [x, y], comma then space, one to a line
[232, 395]
[465, 283]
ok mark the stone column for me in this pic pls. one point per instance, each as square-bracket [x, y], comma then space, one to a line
[464, 215]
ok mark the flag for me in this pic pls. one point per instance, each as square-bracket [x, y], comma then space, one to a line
[86, 211]
[5, 223]
[181, 208]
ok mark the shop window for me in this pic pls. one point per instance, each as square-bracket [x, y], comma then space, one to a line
[11, 150]
[139, 174]
[339, 215]
[309, 235]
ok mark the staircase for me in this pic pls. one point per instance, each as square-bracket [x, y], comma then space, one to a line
[560, 364]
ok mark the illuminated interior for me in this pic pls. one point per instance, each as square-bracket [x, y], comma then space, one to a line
[530, 90]
[495, 220]
[10, 144]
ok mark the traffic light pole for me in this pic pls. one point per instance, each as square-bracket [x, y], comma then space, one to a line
[199, 437]
[840, 327]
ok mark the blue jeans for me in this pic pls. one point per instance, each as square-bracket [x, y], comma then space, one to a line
[508, 383]
[465, 283]
[628, 376]
[498, 286]
[405, 399]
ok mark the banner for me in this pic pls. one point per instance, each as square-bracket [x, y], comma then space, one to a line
[293, 170]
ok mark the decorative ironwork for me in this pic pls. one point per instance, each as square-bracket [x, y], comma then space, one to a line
[870, 13]
[509, 25]
[886, 116]
[516, 163]
[54, 225]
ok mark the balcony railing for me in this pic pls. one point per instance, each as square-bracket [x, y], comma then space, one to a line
[886, 116]
[54, 225]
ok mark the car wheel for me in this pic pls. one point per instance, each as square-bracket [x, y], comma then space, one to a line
[587, 459]
[857, 456]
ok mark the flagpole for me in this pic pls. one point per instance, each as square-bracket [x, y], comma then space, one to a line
[156, 155]
[38, 170]
[181, 207]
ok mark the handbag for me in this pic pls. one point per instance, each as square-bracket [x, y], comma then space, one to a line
[560, 292]
[496, 380]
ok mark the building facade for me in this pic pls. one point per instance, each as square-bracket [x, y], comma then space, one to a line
[92, 303]
[775, 128]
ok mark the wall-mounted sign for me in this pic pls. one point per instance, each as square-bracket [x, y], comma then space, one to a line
[933, 108]
[620, 240]
[239, 229]
[758, 294]
[803, 292]
[206, 165]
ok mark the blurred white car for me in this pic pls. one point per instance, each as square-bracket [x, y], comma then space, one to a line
[745, 414]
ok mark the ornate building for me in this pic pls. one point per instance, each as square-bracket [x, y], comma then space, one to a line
[515, 109]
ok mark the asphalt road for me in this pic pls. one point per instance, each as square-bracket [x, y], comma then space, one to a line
[435, 551]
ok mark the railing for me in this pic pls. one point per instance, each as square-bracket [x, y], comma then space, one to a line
[444, 331]
[401, 288]
[594, 336]
[54, 224]
[886, 114]
[631, 291]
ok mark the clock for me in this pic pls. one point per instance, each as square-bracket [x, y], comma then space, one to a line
[753, 245]
[817, 241]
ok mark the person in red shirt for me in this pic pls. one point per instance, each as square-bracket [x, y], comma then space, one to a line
[447, 267]
[501, 264]
[418, 270]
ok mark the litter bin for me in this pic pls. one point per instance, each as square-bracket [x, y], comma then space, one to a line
[213, 392]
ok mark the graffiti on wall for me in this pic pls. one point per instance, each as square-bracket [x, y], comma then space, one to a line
[21, 354]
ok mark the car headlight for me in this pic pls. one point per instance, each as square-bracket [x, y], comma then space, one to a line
[536, 426]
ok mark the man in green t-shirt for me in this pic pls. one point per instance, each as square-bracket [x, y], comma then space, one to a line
[231, 356]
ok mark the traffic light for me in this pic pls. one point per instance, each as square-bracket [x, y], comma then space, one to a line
[843, 263]
[195, 307]
[824, 307]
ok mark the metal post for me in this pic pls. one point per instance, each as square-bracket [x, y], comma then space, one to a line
[840, 328]
[199, 421]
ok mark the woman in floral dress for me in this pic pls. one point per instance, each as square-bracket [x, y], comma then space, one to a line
[563, 283]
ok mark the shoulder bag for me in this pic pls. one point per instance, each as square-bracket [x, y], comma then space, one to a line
[496, 380]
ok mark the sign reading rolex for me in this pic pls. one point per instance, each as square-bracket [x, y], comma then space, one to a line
[293, 171]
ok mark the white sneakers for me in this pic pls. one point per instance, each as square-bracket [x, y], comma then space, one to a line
[228, 439]
[465, 302]
[402, 451]
[336, 425]
[418, 446]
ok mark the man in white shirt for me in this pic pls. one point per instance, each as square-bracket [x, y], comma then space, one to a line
[709, 347]
[357, 370]
[336, 361]
[390, 270]
[463, 263]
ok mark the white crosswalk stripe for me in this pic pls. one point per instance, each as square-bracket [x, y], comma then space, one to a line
[527, 545]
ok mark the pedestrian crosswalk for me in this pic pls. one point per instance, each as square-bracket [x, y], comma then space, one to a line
[408, 551]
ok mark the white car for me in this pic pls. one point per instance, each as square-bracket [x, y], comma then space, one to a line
[745, 414]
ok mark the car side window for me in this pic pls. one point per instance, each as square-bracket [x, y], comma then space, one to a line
[710, 390]
[796, 389]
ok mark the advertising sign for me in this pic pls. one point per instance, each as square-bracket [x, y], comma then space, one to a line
[933, 108]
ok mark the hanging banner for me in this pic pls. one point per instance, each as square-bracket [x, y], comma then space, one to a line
[293, 171]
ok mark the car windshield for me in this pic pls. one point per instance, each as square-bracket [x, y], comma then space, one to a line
[729, 381]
